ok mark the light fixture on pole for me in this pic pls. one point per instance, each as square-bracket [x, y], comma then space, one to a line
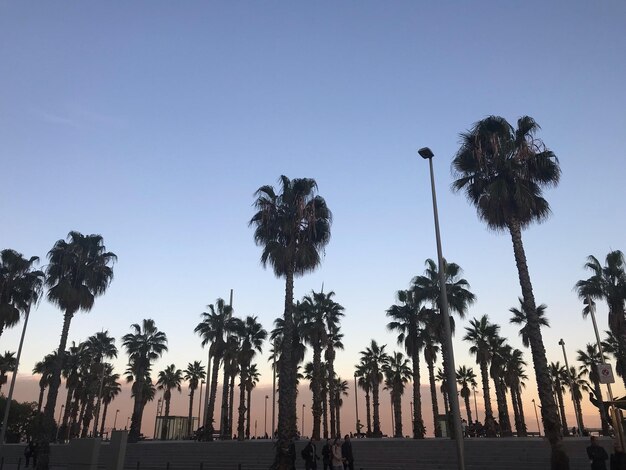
[537, 417]
[115, 419]
[570, 379]
[448, 352]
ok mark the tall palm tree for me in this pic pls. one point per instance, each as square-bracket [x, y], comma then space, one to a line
[375, 356]
[520, 317]
[194, 373]
[466, 378]
[397, 374]
[75, 357]
[7, 364]
[500, 352]
[100, 346]
[428, 338]
[341, 390]
[79, 270]
[608, 283]
[293, 227]
[590, 358]
[170, 379]
[514, 376]
[251, 382]
[503, 171]
[216, 325]
[144, 346]
[479, 333]
[251, 334]
[45, 368]
[559, 379]
[20, 286]
[407, 321]
[231, 369]
[440, 376]
[110, 390]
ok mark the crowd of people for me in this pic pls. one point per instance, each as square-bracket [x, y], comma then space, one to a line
[335, 455]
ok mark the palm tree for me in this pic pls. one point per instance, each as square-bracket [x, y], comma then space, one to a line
[20, 286]
[251, 335]
[374, 356]
[514, 376]
[430, 341]
[466, 378]
[80, 270]
[170, 378]
[407, 320]
[253, 379]
[110, 390]
[590, 358]
[608, 283]
[559, 379]
[75, 357]
[45, 368]
[440, 376]
[397, 374]
[7, 364]
[231, 369]
[363, 373]
[333, 343]
[293, 227]
[503, 171]
[144, 346]
[479, 333]
[500, 352]
[341, 389]
[99, 347]
[520, 317]
[577, 385]
[216, 325]
[194, 373]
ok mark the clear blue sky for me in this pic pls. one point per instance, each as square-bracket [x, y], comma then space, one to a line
[153, 123]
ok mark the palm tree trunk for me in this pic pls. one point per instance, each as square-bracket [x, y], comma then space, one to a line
[165, 426]
[490, 425]
[325, 413]
[190, 417]
[104, 417]
[231, 403]
[559, 457]
[248, 412]
[89, 410]
[330, 356]
[604, 419]
[338, 415]
[376, 406]
[210, 411]
[433, 397]
[559, 396]
[397, 412]
[520, 403]
[81, 416]
[503, 409]
[444, 393]
[66, 414]
[135, 421]
[514, 401]
[316, 386]
[241, 430]
[287, 384]
[225, 412]
[42, 389]
[71, 428]
[418, 422]
[368, 413]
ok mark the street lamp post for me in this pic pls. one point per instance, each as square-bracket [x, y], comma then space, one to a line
[356, 405]
[265, 423]
[428, 154]
[302, 434]
[571, 387]
[475, 404]
[274, 391]
[202, 382]
[115, 419]
[537, 417]
[127, 422]
[412, 417]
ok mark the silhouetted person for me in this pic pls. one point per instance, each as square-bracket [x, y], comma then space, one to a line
[618, 459]
[326, 455]
[336, 457]
[346, 452]
[31, 452]
[597, 455]
[309, 454]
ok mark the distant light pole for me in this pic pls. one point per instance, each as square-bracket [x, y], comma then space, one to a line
[393, 424]
[356, 404]
[202, 382]
[302, 435]
[536, 416]
[59, 420]
[115, 420]
[475, 405]
[274, 391]
[570, 379]
[428, 154]
[127, 422]
[265, 423]
[412, 418]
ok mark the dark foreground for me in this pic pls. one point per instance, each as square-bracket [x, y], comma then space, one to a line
[370, 454]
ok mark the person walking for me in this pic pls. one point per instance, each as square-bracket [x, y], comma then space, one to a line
[597, 455]
[31, 452]
[336, 455]
[327, 455]
[309, 454]
[346, 451]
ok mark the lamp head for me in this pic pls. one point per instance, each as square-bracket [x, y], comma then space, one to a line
[561, 342]
[426, 153]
